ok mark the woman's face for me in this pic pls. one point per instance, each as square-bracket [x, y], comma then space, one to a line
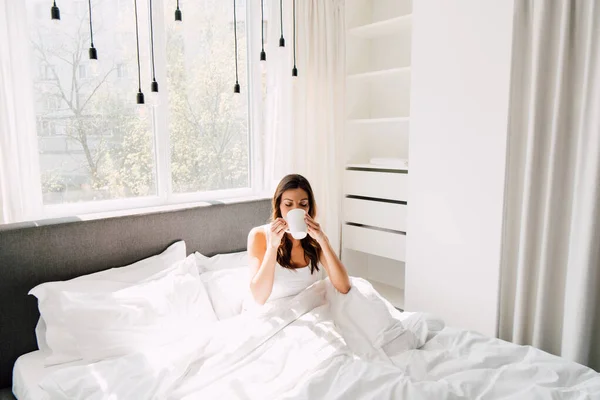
[292, 199]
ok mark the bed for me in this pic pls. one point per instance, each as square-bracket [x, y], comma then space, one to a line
[318, 344]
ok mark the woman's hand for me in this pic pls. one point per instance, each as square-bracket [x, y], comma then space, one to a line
[278, 228]
[314, 229]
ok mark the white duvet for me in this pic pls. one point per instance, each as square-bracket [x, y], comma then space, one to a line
[324, 345]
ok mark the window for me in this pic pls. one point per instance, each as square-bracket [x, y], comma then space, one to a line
[84, 161]
[208, 122]
[46, 128]
[99, 149]
[81, 8]
[82, 71]
[41, 10]
[122, 71]
[52, 102]
[46, 72]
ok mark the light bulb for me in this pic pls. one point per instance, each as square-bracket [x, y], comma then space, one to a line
[237, 101]
[142, 111]
[154, 99]
[94, 67]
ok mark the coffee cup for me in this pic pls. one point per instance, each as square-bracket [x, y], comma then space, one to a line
[297, 225]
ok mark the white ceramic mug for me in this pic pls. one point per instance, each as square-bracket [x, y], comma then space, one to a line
[297, 225]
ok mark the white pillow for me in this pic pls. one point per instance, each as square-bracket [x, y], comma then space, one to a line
[221, 261]
[141, 316]
[227, 289]
[56, 339]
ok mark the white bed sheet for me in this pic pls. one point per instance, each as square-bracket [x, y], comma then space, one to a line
[29, 371]
[481, 367]
[307, 348]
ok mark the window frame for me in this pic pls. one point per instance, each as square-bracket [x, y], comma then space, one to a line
[160, 114]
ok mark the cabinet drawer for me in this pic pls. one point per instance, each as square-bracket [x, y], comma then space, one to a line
[381, 185]
[375, 213]
[379, 243]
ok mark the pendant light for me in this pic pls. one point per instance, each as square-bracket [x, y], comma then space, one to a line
[92, 52]
[294, 70]
[263, 55]
[281, 39]
[140, 95]
[178, 13]
[55, 12]
[154, 84]
[236, 87]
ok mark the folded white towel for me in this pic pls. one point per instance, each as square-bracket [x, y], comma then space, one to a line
[391, 162]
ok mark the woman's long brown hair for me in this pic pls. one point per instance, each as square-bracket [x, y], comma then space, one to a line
[312, 250]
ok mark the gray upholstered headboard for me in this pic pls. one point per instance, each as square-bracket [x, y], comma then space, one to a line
[30, 255]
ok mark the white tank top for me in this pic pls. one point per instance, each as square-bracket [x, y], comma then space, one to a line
[290, 282]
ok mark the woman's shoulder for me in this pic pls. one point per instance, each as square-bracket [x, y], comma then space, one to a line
[257, 239]
[258, 232]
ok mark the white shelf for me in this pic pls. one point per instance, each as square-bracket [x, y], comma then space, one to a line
[392, 294]
[382, 28]
[378, 120]
[377, 74]
[378, 82]
[377, 166]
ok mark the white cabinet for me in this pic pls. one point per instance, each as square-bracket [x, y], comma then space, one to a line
[459, 123]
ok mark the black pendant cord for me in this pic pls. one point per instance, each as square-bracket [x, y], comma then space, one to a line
[281, 39]
[294, 70]
[263, 55]
[93, 54]
[154, 87]
[91, 28]
[140, 95]
[236, 88]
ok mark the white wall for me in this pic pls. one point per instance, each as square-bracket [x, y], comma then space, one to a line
[459, 116]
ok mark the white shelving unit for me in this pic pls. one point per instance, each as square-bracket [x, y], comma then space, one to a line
[357, 121]
[380, 74]
[382, 28]
[378, 48]
[376, 167]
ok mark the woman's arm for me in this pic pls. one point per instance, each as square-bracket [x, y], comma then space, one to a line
[263, 258]
[334, 267]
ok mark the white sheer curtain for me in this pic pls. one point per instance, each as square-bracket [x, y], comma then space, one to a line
[305, 114]
[20, 190]
[550, 288]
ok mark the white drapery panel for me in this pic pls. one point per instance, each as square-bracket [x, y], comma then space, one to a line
[550, 287]
[20, 190]
[305, 114]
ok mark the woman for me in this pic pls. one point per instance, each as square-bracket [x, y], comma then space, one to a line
[282, 266]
